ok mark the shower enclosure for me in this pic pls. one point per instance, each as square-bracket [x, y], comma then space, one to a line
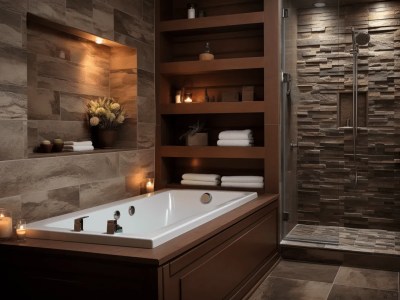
[340, 182]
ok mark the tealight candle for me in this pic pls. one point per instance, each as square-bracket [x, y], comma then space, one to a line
[188, 98]
[21, 229]
[150, 185]
[5, 224]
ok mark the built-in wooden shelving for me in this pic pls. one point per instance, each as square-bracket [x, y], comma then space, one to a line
[212, 151]
[213, 108]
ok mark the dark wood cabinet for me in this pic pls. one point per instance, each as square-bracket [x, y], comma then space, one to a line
[243, 36]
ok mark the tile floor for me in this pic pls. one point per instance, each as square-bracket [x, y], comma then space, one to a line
[293, 280]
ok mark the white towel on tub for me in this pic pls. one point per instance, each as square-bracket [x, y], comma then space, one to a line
[245, 134]
[198, 182]
[243, 184]
[244, 143]
[243, 179]
[201, 177]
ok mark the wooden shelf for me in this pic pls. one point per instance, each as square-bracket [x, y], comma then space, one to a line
[213, 108]
[198, 67]
[212, 22]
[184, 186]
[213, 152]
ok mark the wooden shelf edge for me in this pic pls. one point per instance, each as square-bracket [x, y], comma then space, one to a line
[212, 22]
[224, 64]
[213, 107]
[213, 152]
[184, 186]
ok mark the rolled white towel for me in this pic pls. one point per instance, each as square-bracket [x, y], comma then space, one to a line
[198, 182]
[77, 148]
[235, 143]
[82, 143]
[201, 177]
[236, 134]
[243, 184]
[249, 179]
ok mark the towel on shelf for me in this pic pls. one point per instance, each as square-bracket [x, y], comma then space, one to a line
[198, 182]
[81, 143]
[243, 184]
[245, 134]
[243, 179]
[201, 177]
[78, 148]
[235, 142]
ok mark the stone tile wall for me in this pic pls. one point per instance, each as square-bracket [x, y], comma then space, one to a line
[37, 188]
[326, 192]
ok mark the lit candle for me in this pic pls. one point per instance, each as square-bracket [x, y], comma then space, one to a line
[150, 185]
[21, 229]
[188, 98]
[5, 226]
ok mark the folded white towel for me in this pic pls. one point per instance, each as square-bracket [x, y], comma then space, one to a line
[82, 143]
[201, 177]
[235, 142]
[243, 184]
[249, 179]
[77, 148]
[198, 182]
[235, 134]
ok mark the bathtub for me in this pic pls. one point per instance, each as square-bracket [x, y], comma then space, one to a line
[147, 221]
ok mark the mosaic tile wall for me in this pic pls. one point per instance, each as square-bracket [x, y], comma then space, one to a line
[37, 188]
[325, 171]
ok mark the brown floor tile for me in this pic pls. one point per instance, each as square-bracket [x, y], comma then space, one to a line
[367, 278]
[341, 292]
[275, 288]
[305, 271]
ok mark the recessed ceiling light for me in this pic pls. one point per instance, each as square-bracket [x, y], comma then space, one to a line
[319, 4]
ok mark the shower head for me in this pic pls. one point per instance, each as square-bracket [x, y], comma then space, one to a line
[359, 38]
[362, 38]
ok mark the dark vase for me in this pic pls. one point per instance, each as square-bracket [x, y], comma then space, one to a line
[104, 138]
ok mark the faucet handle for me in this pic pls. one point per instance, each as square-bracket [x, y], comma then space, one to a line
[113, 227]
[78, 223]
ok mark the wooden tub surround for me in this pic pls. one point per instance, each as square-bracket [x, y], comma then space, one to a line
[222, 259]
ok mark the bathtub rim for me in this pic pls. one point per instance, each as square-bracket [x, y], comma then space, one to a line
[37, 229]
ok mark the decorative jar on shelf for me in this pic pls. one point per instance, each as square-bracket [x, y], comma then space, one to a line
[104, 137]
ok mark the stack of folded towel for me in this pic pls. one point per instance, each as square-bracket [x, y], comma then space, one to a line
[78, 146]
[200, 179]
[243, 181]
[235, 138]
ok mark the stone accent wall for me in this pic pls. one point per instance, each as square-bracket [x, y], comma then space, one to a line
[37, 188]
[325, 170]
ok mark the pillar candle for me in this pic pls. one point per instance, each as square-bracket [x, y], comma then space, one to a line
[5, 227]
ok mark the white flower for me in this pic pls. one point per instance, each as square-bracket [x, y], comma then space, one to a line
[120, 119]
[115, 106]
[100, 111]
[94, 121]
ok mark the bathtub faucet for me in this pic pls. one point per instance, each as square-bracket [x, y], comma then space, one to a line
[78, 223]
[113, 227]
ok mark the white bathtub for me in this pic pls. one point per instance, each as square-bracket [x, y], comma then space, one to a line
[158, 218]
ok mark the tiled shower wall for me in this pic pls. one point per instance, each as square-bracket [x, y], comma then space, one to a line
[325, 167]
[36, 188]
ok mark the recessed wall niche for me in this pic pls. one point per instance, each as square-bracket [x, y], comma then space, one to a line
[66, 69]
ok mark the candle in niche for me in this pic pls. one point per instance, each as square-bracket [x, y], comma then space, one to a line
[178, 97]
[21, 229]
[5, 224]
[188, 98]
[149, 185]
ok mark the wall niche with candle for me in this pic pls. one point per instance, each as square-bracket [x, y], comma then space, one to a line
[67, 68]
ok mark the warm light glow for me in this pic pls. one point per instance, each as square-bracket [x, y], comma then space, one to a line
[150, 185]
[188, 98]
[99, 40]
